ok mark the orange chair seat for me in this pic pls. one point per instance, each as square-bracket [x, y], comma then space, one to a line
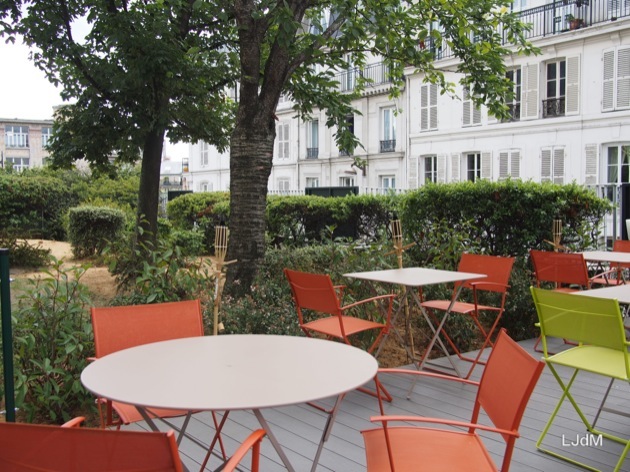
[431, 449]
[463, 308]
[330, 325]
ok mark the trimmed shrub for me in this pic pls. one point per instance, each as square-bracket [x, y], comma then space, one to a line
[90, 229]
[22, 254]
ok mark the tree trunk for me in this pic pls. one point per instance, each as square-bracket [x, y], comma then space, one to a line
[251, 153]
[149, 194]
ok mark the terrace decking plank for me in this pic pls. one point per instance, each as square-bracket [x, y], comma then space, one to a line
[299, 427]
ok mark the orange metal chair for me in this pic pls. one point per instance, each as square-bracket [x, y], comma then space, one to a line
[566, 270]
[497, 270]
[616, 277]
[503, 393]
[30, 447]
[315, 292]
[252, 442]
[121, 327]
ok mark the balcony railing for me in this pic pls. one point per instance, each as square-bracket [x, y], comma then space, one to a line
[553, 107]
[388, 145]
[312, 153]
[514, 110]
[376, 74]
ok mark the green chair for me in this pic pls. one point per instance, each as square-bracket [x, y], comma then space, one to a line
[596, 324]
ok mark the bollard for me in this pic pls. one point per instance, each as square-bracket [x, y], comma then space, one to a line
[7, 336]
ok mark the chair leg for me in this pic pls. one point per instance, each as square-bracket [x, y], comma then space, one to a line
[601, 406]
[216, 437]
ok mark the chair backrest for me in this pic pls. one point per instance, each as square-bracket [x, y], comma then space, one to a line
[588, 320]
[622, 245]
[313, 292]
[506, 384]
[497, 269]
[560, 267]
[121, 327]
[25, 447]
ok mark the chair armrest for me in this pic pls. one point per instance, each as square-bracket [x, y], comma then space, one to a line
[494, 284]
[423, 373]
[91, 359]
[605, 273]
[461, 424]
[391, 296]
[74, 422]
[252, 441]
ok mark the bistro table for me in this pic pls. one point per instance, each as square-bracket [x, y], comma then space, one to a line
[611, 257]
[232, 372]
[413, 278]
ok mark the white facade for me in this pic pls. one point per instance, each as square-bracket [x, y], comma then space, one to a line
[571, 119]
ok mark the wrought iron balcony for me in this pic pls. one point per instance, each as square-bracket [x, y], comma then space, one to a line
[388, 146]
[553, 107]
[514, 109]
[312, 153]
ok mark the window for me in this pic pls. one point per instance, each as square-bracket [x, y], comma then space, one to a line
[205, 187]
[350, 123]
[428, 107]
[552, 165]
[282, 136]
[472, 113]
[473, 166]
[617, 168]
[46, 135]
[388, 143]
[17, 163]
[387, 181]
[514, 105]
[312, 182]
[430, 169]
[346, 181]
[205, 154]
[16, 136]
[556, 84]
[283, 184]
[616, 81]
[312, 139]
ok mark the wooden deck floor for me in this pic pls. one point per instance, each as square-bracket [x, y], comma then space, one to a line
[299, 427]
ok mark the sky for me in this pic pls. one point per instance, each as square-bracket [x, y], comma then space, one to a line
[26, 94]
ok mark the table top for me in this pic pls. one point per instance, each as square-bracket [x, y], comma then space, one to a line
[415, 276]
[229, 372]
[617, 292]
[607, 256]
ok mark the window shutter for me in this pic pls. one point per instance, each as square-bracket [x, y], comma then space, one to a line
[573, 86]
[608, 82]
[433, 106]
[486, 165]
[412, 181]
[623, 79]
[476, 118]
[558, 165]
[515, 164]
[455, 174]
[467, 108]
[590, 171]
[503, 164]
[424, 107]
[545, 165]
[529, 108]
[441, 168]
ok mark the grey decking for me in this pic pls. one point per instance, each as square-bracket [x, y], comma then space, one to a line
[299, 427]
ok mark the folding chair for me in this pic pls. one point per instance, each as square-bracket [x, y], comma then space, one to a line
[616, 275]
[30, 447]
[252, 442]
[498, 271]
[566, 271]
[597, 325]
[317, 294]
[503, 392]
[121, 327]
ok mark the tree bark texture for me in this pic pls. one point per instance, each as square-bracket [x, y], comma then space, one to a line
[149, 194]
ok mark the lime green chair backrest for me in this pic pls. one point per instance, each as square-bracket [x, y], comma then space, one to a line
[586, 319]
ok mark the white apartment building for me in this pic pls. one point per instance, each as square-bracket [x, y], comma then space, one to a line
[570, 118]
[23, 142]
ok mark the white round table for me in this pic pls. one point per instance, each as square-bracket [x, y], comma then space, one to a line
[231, 372]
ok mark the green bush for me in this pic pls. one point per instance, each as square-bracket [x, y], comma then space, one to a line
[90, 229]
[191, 243]
[22, 254]
[52, 341]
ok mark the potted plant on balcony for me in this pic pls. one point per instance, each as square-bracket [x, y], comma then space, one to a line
[574, 23]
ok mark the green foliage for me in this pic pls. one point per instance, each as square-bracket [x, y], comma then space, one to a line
[34, 205]
[90, 229]
[52, 340]
[191, 243]
[145, 275]
[22, 254]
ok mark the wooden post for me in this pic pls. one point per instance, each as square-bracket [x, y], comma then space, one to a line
[221, 235]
